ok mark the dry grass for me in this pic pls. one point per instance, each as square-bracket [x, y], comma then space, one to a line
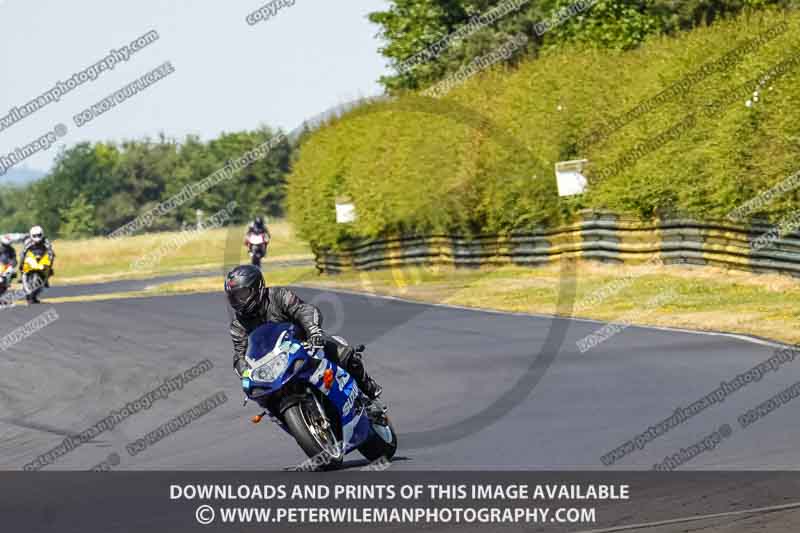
[101, 259]
[700, 298]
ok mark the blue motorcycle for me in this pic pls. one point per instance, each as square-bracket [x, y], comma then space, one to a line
[315, 401]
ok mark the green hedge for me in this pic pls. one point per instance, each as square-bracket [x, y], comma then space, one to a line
[481, 159]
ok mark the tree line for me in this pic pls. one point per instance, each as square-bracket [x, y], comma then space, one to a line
[409, 27]
[94, 188]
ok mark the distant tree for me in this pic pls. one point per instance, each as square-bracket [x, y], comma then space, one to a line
[17, 207]
[79, 219]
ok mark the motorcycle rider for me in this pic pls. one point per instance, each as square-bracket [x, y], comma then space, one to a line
[257, 227]
[8, 255]
[255, 304]
[39, 244]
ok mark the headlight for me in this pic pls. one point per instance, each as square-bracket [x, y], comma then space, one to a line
[272, 369]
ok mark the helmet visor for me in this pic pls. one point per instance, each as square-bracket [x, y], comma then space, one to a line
[241, 296]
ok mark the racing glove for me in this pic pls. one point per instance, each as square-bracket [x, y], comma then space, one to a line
[317, 339]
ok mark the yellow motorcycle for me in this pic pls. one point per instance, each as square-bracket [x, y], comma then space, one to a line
[36, 270]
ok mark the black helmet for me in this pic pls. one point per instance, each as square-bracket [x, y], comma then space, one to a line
[258, 222]
[243, 286]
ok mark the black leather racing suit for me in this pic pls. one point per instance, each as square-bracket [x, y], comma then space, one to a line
[279, 304]
[276, 304]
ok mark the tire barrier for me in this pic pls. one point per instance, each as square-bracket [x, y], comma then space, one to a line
[597, 235]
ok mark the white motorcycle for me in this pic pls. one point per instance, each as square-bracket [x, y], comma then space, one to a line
[257, 247]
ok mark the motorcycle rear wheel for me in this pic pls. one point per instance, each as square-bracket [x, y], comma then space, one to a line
[307, 422]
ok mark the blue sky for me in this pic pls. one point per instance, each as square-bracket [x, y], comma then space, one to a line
[228, 76]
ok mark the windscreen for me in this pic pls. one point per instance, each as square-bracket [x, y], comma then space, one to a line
[263, 339]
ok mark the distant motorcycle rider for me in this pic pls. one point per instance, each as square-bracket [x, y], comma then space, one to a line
[8, 255]
[255, 304]
[39, 245]
[257, 229]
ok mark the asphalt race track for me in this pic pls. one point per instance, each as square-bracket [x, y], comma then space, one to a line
[467, 389]
[441, 367]
[133, 285]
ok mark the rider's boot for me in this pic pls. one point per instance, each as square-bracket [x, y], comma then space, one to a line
[355, 366]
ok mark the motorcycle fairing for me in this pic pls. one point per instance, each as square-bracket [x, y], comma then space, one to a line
[32, 263]
[344, 394]
[271, 341]
[265, 344]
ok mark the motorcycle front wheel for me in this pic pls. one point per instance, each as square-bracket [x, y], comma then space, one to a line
[314, 432]
[257, 253]
[33, 284]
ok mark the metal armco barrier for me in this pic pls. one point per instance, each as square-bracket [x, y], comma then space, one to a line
[597, 236]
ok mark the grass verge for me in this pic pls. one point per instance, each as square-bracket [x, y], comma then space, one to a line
[101, 259]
